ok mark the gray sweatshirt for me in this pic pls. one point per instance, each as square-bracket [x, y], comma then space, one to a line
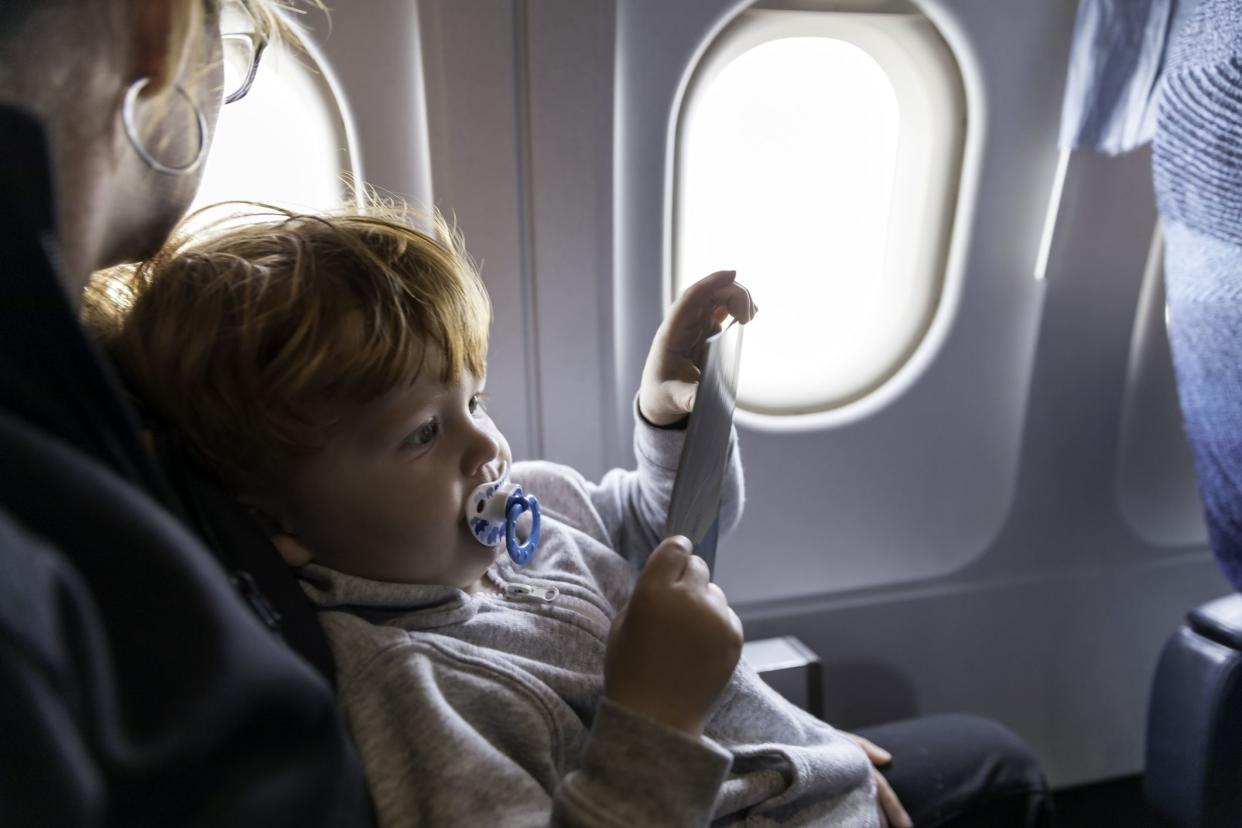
[488, 710]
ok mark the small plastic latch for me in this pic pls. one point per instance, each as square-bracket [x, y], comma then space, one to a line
[248, 588]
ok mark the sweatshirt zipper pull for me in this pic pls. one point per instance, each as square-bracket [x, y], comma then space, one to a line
[532, 592]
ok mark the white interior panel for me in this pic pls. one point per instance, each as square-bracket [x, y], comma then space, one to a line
[570, 76]
[1156, 483]
[378, 63]
[476, 104]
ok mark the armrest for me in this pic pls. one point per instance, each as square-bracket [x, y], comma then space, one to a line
[1219, 621]
[1194, 724]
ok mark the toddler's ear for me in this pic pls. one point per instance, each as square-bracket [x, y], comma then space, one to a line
[292, 550]
[287, 544]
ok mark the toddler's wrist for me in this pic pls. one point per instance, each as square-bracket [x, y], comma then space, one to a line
[674, 420]
[661, 714]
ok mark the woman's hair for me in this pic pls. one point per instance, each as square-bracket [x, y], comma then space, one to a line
[274, 19]
[237, 333]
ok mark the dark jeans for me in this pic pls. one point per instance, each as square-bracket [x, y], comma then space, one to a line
[955, 771]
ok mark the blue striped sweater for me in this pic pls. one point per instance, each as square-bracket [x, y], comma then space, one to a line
[1197, 151]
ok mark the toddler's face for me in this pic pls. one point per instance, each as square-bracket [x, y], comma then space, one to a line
[384, 499]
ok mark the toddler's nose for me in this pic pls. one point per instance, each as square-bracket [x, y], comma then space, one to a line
[482, 449]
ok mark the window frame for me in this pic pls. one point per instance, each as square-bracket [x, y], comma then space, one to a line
[928, 84]
[322, 81]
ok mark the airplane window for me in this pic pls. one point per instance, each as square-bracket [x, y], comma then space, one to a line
[287, 142]
[817, 154]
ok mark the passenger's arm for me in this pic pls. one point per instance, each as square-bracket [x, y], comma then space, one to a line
[48, 634]
[47, 774]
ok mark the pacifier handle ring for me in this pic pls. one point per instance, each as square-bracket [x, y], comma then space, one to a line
[520, 553]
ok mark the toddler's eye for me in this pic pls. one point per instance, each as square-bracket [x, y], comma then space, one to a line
[478, 403]
[424, 434]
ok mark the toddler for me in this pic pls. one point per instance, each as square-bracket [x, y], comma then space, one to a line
[331, 371]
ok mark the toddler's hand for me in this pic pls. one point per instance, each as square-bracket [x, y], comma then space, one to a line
[674, 646]
[671, 375]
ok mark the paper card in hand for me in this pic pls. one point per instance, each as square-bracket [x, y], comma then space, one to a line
[695, 505]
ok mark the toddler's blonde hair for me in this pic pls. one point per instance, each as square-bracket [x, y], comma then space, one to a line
[235, 334]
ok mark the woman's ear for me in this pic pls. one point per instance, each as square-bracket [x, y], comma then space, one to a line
[161, 36]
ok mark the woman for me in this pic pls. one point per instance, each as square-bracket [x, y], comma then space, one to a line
[137, 688]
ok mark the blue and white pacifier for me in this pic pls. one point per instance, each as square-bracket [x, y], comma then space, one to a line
[492, 512]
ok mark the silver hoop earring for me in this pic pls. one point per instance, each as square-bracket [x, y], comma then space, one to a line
[131, 131]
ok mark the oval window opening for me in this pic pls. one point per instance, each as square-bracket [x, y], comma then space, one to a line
[818, 166]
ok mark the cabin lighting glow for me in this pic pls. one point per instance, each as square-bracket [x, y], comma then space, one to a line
[1050, 218]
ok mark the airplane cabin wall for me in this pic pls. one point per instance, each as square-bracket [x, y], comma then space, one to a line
[520, 96]
[1014, 530]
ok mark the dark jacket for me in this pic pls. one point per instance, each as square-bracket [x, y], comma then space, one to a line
[137, 686]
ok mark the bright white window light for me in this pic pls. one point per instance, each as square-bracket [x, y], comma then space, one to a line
[286, 143]
[1050, 217]
[805, 162]
[789, 173]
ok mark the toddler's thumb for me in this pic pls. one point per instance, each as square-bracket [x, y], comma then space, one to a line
[683, 394]
[668, 560]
